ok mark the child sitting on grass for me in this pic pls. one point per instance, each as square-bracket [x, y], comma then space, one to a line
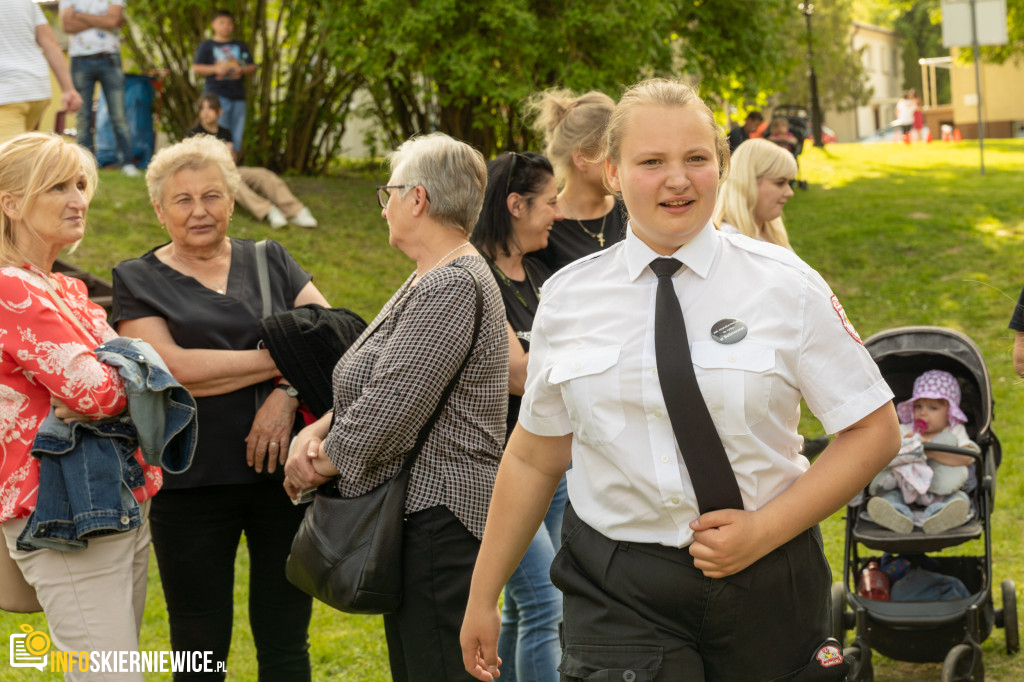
[931, 481]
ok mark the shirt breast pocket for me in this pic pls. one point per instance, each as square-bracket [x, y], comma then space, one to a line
[736, 381]
[589, 382]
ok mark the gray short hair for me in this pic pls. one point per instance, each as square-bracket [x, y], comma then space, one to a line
[453, 173]
[192, 153]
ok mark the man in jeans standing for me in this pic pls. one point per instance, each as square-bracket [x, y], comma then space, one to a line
[95, 50]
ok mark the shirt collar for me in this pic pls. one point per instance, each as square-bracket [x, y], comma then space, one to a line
[697, 254]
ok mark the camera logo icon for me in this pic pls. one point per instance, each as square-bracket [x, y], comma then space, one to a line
[30, 648]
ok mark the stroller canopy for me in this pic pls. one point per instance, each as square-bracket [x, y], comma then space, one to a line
[904, 353]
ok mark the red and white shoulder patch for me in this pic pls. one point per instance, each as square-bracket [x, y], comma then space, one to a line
[838, 307]
[828, 656]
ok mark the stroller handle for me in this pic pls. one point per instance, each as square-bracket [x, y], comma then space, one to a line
[952, 449]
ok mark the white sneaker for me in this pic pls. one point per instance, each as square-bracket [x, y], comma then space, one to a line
[303, 218]
[276, 218]
[953, 515]
[130, 170]
[885, 515]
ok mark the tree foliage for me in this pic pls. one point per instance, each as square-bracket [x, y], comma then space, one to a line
[840, 73]
[897, 14]
[464, 67]
[299, 96]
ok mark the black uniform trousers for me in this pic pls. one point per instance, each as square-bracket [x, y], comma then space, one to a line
[638, 611]
[438, 554]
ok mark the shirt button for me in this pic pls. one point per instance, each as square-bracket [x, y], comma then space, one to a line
[732, 358]
[125, 520]
[674, 500]
[576, 367]
[664, 459]
[629, 676]
[659, 414]
[654, 371]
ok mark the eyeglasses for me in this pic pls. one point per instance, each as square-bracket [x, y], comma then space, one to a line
[511, 172]
[383, 194]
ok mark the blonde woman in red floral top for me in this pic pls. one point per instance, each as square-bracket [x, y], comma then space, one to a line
[93, 599]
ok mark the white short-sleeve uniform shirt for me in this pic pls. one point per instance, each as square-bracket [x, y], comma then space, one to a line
[593, 372]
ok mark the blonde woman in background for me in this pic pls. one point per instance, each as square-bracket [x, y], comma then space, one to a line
[93, 599]
[573, 130]
[750, 201]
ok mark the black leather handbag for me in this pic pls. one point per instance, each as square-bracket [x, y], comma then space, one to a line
[348, 550]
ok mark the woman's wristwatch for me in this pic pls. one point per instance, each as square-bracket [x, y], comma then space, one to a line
[289, 391]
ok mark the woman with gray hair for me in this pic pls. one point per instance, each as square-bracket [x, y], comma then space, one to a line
[197, 300]
[391, 380]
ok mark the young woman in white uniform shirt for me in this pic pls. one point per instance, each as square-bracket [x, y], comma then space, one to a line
[649, 582]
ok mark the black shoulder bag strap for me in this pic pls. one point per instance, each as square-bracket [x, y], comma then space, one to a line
[263, 274]
[410, 458]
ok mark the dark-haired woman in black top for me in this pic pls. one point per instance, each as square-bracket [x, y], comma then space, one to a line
[520, 206]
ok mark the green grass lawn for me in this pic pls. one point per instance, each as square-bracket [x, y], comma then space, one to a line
[905, 235]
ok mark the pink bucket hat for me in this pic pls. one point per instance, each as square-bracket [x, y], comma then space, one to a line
[934, 383]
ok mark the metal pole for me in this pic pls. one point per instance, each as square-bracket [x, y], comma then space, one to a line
[977, 82]
[808, 9]
[926, 91]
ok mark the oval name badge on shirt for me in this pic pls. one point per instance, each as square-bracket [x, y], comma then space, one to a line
[728, 330]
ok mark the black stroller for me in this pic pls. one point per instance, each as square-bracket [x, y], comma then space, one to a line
[948, 631]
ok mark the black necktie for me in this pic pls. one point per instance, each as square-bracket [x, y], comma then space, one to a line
[714, 482]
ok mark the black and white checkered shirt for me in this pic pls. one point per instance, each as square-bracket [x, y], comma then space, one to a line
[387, 388]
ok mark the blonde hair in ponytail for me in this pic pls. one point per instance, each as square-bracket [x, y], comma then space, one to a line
[569, 124]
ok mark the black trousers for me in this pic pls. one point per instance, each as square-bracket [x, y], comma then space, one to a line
[643, 611]
[195, 537]
[438, 554]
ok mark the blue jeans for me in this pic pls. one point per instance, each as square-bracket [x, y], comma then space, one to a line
[528, 643]
[232, 117]
[104, 69]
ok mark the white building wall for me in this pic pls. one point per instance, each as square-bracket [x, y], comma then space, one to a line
[882, 59]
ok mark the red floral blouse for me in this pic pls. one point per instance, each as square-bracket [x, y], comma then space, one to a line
[43, 354]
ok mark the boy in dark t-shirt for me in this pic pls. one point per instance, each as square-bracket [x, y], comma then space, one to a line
[224, 62]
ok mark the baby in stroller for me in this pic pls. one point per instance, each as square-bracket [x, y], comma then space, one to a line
[921, 487]
[779, 133]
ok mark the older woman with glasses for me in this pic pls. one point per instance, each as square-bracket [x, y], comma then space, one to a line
[389, 383]
[198, 300]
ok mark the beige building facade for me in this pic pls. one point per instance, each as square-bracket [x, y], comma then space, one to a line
[882, 58]
[1002, 98]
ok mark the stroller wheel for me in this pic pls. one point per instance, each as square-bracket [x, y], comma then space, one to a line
[1009, 617]
[839, 613]
[861, 669]
[963, 664]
